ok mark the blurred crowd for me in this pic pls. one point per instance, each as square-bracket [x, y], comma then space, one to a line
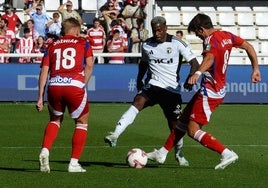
[117, 28]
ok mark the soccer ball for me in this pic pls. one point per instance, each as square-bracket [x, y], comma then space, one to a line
[136, 158]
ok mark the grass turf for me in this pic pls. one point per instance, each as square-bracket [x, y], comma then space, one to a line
[242, 128]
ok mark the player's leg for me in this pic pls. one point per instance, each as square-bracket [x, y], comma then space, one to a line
[50, 135]
[79, 111]
[207, 140]
[160, 155]
[179, 155]
[126, 119]
[177, 132]
[203, 108]
[171, 105]
[51, 131]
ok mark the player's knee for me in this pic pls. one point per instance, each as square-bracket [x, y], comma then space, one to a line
[82, 126]
[57, 123]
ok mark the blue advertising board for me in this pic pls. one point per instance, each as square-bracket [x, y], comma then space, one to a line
[117, 83]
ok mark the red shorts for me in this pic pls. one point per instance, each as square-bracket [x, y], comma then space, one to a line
[199, 109]
[74, 98]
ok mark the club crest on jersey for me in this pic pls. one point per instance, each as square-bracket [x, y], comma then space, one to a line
[169, 50]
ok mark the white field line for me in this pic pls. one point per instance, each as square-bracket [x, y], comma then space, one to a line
[67, 147]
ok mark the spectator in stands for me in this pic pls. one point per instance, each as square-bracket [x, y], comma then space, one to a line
[28, 3]
[4, 44]
[34, 3]
[39, 48]
[40, 19]
[97, 34]
[118, 4]
[109, 16]
[143, 3]
[138, 36]
[12, 18]
[100, 3]
[116, 45]
[112, 6]
[33, 33]
[123, 29]
[25, 46]
[180, 35]
[10, 35]
[69, 12]
[54, 26]
[133, 11]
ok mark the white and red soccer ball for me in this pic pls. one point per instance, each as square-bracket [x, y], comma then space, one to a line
[136, 158]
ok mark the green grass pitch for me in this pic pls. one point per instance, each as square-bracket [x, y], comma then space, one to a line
[243, 128]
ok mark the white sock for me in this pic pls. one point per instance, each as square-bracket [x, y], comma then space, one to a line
[225, 152]
[163, 151]
[179, 144]
[45, 151]
[126, 119]
[178, 148]
[74, 161]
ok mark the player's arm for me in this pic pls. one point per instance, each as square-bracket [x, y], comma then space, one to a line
[256, 75]
[143, 67]
[88, 68]
[194, 67]
[205, 65]
[41, 85]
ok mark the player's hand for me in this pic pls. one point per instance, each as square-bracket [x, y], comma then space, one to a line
[39, 105]
[256, 76]
[187, 85]
[140, 84]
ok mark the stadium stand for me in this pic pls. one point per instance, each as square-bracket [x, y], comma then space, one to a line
[248, 33]
[52, 5]
[75, 3]
[172, 15]
[226, 16]
[263, 33]
[260, 14]
[188, 12]
[89, 12]
[86, 6]
[244, 16]
[210, 11]
[244, 19]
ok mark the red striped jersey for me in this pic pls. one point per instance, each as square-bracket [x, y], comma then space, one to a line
[97, 35]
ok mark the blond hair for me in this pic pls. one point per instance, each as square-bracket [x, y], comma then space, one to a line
[69, 24]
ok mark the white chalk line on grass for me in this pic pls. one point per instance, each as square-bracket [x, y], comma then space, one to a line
[68, 147]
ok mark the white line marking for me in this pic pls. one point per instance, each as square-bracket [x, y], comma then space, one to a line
[66, 147]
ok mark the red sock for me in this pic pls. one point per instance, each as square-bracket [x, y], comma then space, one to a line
[50, 135]
[79, 140]
[209, 141]
[174, 136]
